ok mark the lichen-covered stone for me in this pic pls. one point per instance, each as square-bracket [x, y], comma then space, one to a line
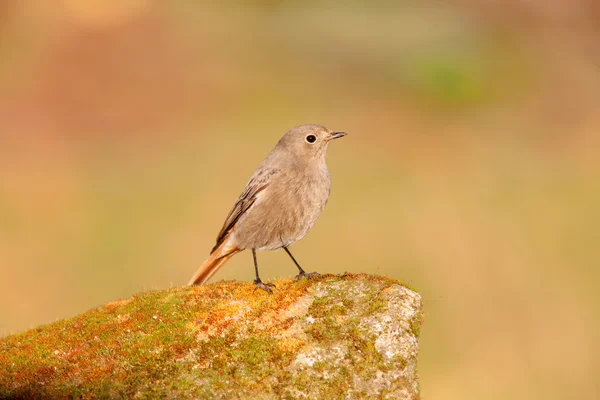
[349, 336]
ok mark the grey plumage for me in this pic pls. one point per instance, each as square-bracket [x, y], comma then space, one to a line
[281, 201]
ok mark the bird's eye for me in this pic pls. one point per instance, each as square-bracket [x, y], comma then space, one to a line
[311, 138]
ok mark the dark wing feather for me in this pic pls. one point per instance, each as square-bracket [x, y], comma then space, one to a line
[256, 185]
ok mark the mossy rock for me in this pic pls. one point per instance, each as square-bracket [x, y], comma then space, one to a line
[349, 336]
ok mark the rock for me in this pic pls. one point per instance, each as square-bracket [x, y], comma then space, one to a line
[349, 336]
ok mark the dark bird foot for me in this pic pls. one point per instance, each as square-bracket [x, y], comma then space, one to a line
[264, 286]
[305, 275]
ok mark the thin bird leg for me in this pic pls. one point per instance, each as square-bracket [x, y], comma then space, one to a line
[302, 274]
[259, 284]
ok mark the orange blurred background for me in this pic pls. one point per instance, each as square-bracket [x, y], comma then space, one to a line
[471, 172]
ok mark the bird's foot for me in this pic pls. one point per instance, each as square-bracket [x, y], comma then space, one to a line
[305, 275]
[264, 286]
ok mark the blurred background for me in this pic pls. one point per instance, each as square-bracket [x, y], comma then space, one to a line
[471, 172]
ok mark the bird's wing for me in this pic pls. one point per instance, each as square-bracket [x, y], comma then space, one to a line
[258, 183]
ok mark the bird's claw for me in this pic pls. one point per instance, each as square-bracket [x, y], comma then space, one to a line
[305, 275]
[264, 286]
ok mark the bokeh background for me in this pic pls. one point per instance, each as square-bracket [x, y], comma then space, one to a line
[471, 172]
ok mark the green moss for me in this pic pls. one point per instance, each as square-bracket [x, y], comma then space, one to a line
[416, 323]
[375, 305]
[324, 330]
[319, 307]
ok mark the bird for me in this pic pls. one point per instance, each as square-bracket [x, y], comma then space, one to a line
[280, 204]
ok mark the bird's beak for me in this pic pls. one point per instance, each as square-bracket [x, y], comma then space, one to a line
[335, 135]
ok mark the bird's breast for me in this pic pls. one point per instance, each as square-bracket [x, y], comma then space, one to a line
[309, 196]
[285, 211]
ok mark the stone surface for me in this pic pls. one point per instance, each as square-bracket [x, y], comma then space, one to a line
[349, 336]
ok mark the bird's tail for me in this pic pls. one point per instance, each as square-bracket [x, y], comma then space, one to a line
[217, 258]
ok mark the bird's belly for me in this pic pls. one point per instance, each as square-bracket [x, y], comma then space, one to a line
[286, 218]
[287, 234]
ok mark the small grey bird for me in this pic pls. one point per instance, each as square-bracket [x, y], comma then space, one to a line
[281, 202]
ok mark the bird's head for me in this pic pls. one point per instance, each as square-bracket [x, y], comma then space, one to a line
[308, 141]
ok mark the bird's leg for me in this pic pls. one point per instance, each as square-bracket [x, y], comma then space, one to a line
[302, 274]
[259, 284]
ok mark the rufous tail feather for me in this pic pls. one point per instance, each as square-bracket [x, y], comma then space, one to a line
[216, 259]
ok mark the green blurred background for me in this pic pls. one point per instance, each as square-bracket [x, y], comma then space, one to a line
[471, 172]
